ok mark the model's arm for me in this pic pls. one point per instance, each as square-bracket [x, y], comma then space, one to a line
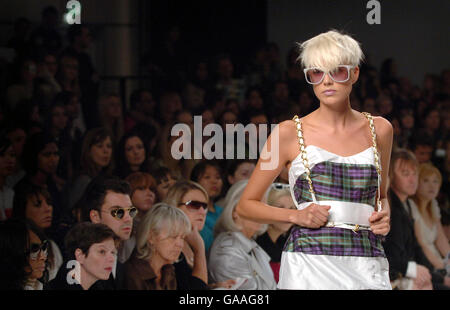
[274, 157]
[380, 221]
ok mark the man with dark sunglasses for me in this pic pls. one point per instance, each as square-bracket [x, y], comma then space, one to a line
[107, 201]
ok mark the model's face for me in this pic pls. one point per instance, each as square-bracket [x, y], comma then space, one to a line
[48, 159]
[121, 227]
[196, 216]
[284, 202]
[7, 162]
[405, 179]
[39, 211]
[100, 260]
[37, 266]
[165, 246]
[101, 152]
[211, 181]
[143, 198]
[330, 92]
[163, 187]
[134, 151]
[428, 187]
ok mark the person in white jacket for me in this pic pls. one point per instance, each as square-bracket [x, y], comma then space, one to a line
[234, 253]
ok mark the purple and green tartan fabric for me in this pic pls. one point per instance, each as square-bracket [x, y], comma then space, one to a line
[357, 183]
[339, 182]
[334, 241]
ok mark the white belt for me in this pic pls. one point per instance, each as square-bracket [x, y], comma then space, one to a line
[348, 215]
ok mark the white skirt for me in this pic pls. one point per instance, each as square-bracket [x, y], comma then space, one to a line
[300, 271]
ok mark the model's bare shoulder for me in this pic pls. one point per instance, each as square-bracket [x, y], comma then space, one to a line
[287, 130]
[383, 127]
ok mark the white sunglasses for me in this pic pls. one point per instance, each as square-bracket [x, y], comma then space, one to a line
[340, 74]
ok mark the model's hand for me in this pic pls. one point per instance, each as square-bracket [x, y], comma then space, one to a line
[380, 223]
[313, 216]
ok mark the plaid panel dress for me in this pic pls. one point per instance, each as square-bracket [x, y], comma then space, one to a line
[334, 257]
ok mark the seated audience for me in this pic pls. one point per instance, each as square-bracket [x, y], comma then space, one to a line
[427, 217]
[160, 239]
[408, 266]
[7, 165]
[23, 255]
[131, 155]
[96, 159]
[234, 253]
[107, 201]
[33, 202]
[273, 240]
[192, 199]
[208, 175]
[91, 252]
[165, 178]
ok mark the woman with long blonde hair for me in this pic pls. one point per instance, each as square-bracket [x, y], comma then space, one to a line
[426, 213]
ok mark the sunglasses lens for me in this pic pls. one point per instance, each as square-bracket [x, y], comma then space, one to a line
[119, 213]
[196, 205]
[133, 212]
[314, 76]
[340, 74]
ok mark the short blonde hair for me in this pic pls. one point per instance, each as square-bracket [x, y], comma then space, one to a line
[330, 49]
[159, 218]
[225, 222]
[179, 189]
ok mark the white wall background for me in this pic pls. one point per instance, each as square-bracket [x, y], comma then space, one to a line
[415, 33]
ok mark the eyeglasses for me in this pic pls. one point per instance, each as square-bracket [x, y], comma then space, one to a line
[119, 213]
[36, 249]
[194, 204]
[340, 74]
[280, 186]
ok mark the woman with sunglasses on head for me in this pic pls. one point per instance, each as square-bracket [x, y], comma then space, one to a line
[273, 240]
[234, 253]
[33, 203]
[191, 198]
[23, 255]
[91, 255]
[338, 179]
[160, 239]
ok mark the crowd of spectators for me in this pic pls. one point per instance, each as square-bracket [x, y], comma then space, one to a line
[89, 179]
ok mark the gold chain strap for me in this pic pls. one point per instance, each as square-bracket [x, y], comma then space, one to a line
[374, 142]
[303, 152]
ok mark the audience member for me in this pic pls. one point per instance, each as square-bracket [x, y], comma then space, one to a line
[7, 165]
[23, 255]
[273, 240]
[408, 266]
[427, 217]
[91, 250]
[160, 239]
[107, 201]
[234, 253]
[33, 202]
[209, 175]
[131, 155]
